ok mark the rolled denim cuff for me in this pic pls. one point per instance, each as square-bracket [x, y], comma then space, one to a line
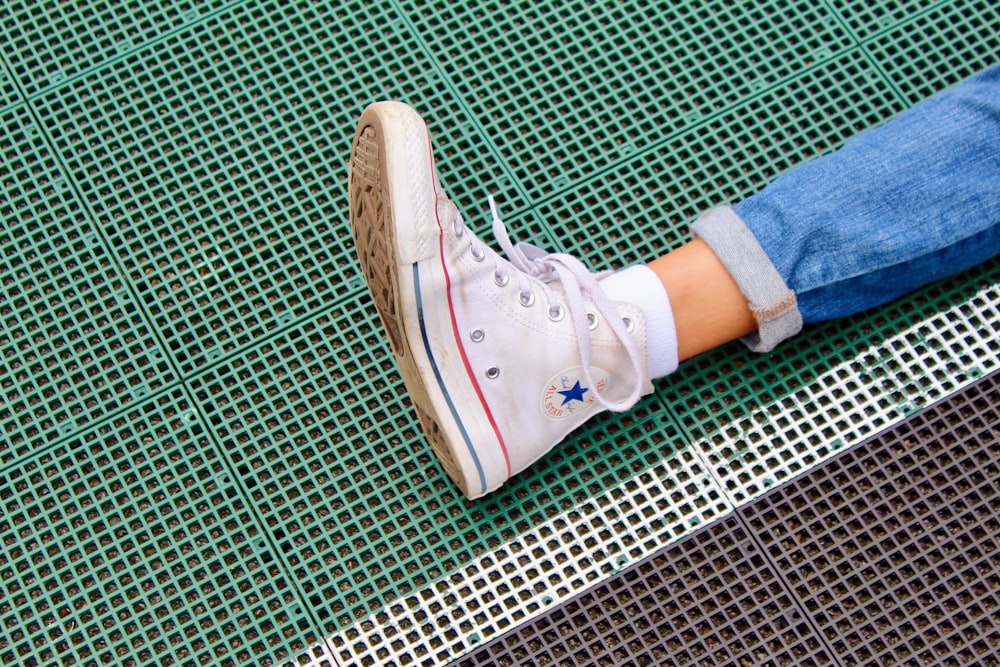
[772, 303]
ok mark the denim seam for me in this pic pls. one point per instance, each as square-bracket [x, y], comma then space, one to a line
[764, 315]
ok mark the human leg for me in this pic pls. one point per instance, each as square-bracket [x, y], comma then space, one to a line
[896, 207]
[708, 307]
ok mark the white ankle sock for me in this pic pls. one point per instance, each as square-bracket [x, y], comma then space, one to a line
[639, 285]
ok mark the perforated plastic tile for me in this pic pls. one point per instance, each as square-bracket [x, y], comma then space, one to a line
[711, 599]
[894, 546]
[393, 560]
[565, 90]
[940, 48]
[644, 207]
[49, 42]
[215, 162]
[74, 346]
[130, 545]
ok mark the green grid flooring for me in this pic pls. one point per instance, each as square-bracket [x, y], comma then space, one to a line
[207, 456]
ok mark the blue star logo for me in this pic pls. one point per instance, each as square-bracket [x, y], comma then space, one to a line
[574, 394]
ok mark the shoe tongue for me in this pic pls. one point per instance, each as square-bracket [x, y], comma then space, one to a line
[446, 210]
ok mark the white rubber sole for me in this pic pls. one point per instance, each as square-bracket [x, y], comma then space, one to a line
[398, 241]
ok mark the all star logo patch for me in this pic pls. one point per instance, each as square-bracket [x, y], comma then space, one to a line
[569, 393]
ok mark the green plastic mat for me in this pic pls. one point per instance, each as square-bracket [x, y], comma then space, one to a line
[76, 346]
[207, 455]
[128, 544]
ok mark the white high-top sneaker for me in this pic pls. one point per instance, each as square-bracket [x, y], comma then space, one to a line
[501, 359]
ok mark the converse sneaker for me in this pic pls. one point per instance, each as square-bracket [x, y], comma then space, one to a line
[502, 358]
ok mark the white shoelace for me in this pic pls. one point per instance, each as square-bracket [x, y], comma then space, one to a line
[579, 283]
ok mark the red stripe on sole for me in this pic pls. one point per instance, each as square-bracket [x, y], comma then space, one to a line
[454, 322]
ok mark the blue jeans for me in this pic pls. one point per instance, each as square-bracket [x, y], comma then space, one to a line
[896, 207]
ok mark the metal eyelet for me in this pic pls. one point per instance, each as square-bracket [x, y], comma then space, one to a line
[556, 312]
[629, 324]
[501, 279]
[459, 231]
[477, 335]
[526, 302]
[478, 253]
[592, 321]
[493, 372]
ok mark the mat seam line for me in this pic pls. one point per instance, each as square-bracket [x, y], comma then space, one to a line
[105, 419]
[780, 575]
[874, 36]
[864, 42]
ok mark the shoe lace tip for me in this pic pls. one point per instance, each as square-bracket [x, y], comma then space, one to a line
[493, 207]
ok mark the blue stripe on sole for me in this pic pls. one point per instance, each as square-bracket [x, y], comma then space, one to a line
[437, 375]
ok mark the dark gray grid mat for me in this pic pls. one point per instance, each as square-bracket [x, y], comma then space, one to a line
[886, 554]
